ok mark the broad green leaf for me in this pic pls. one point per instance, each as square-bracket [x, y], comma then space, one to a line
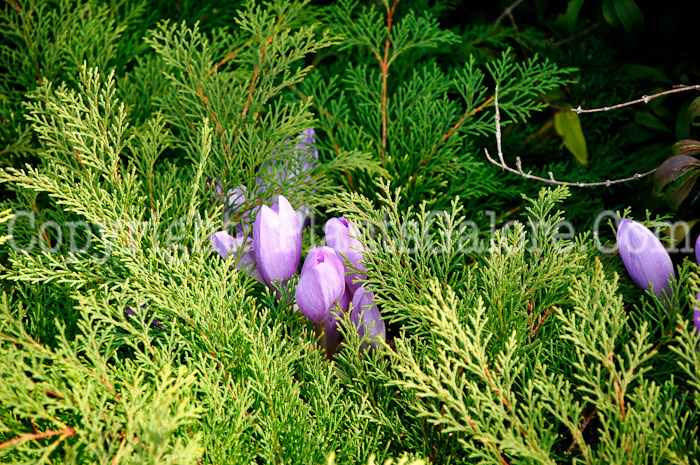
[683, 123]
[568, 20]
[609, 13]
[675, 178]
[629, 14]
[647, 119]
[646, 73]
[677, 193]
[694, 112]
[568, 126]
[673, 169]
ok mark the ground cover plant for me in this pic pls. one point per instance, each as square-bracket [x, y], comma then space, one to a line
[347, 232]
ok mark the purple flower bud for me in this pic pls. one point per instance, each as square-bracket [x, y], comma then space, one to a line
[645, 258]
[321, 283]
[338, 237]
[697, 250]
[239, 246]
[277, 242]
[369, 323]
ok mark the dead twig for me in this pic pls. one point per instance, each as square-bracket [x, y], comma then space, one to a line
[582, 428]
[644, 99]
[519, 169]
[508, 11]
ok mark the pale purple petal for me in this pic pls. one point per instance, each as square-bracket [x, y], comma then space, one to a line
[365, 315]
[646, 259]
[277, 242]
[338, 237]
[226, 245]
[324, 254]
[319, 287]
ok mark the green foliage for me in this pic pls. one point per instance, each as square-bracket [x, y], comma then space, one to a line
[124, 338]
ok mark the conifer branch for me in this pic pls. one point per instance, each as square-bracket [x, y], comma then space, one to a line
[447, 135]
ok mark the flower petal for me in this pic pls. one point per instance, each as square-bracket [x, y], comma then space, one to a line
[277, 242]
[646, 259]
[365, 315]
[319, 287]
[339, 236]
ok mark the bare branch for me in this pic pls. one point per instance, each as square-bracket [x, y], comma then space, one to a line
[576, 36]
[508, 11]
[644, 99]
[519, 168]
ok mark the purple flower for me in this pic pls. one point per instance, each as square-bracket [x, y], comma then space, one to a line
[239, 246]
[321, 284]
[645, 258]
[697, 250]
[277, 242]
[233, 202]
[338, 237]
[365, 315]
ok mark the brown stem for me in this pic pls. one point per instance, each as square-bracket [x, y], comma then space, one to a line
[582, 428]
[223, 61]
[68, 431]
[508, 11]
[255, 76]
[620, 397]
[533, 332]
[36, 431]
[384, 65]
[211, 113]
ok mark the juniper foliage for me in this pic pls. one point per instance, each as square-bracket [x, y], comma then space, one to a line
[516, 348]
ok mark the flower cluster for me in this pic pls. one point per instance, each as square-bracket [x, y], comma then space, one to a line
[331, 276]
[330, 281]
